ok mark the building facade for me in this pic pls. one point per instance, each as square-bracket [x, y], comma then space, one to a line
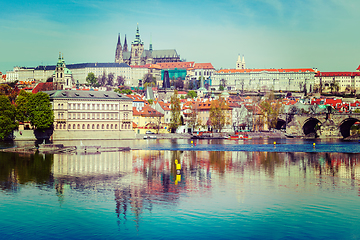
[265, 79]
[338, 81]
[91, 115]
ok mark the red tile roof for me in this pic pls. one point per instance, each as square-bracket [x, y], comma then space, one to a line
[266, 70]
[147, 111]
[203, 66]
[170, 65]
[358, 68]
[335, 74]
[46, 86]
[165, 106]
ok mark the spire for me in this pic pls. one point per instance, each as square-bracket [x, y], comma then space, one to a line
[118, 52]
[137, 36]
[119, 42]
[125, 45]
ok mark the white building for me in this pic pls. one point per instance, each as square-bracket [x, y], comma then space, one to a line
[79, 72]
[265, 79]
[346, 81]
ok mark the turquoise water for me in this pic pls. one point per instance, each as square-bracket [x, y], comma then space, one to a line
[218, 194]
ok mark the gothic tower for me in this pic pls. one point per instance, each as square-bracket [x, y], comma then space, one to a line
[137, 49]
[125, 45]
[119, 52]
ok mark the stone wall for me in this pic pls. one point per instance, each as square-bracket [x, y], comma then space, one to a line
[92, 135]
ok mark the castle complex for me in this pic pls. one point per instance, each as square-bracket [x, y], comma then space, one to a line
[138, 55]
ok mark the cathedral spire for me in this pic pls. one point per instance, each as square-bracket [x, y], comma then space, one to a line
[119, 42]
[125, 45]
[118, 52]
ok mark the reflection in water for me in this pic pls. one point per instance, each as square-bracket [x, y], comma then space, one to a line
[140, 180]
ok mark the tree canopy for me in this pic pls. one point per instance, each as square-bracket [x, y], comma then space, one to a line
[175, 111]
[269, 111]
[7, 117]
[149, 80]
[21, 103]
[219, 114]
[40, 112]
[91, 79]
[191, 94]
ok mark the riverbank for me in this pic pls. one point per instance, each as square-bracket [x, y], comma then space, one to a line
[253, 135]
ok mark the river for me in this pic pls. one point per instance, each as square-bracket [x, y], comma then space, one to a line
[226, 189]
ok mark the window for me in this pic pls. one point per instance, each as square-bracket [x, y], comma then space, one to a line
[88, 126]
[111, 126]
[78, 126]
[115, 126]
[97, 126]
[73, 126]
[107, 126]
[93, 126]
[102, 126]
[69, 127]
[83, 126]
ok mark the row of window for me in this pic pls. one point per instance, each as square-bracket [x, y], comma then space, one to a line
[206, 73]
[83, 106]
[93, 126]
[92, 116]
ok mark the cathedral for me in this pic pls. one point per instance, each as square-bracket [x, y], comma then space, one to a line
[138, 55]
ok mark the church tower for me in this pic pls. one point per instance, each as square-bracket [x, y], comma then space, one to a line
[62, 78]
[125, 45]
[119, 52]
[137, 49]
[240, 64]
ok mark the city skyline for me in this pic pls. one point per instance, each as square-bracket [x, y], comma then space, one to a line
[270, 34]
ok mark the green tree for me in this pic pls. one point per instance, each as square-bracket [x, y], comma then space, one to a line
[7, 117]
[41, 115]
[222, 84]
[219, 114]
[270, 110]
[91, 79]
[175, 111]
[21, 103]
[191, 94]
[123, 91]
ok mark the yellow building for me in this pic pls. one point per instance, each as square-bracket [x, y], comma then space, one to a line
[91, 115]
[149, 119]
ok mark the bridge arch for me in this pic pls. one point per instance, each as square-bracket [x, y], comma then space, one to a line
[280, 124]
[309, 126]
[345, 126]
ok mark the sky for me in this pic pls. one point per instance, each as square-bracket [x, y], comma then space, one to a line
[322, 34]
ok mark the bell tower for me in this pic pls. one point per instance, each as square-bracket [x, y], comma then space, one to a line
[137, 48]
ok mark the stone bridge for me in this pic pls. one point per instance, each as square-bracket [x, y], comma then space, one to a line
[322, 125]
